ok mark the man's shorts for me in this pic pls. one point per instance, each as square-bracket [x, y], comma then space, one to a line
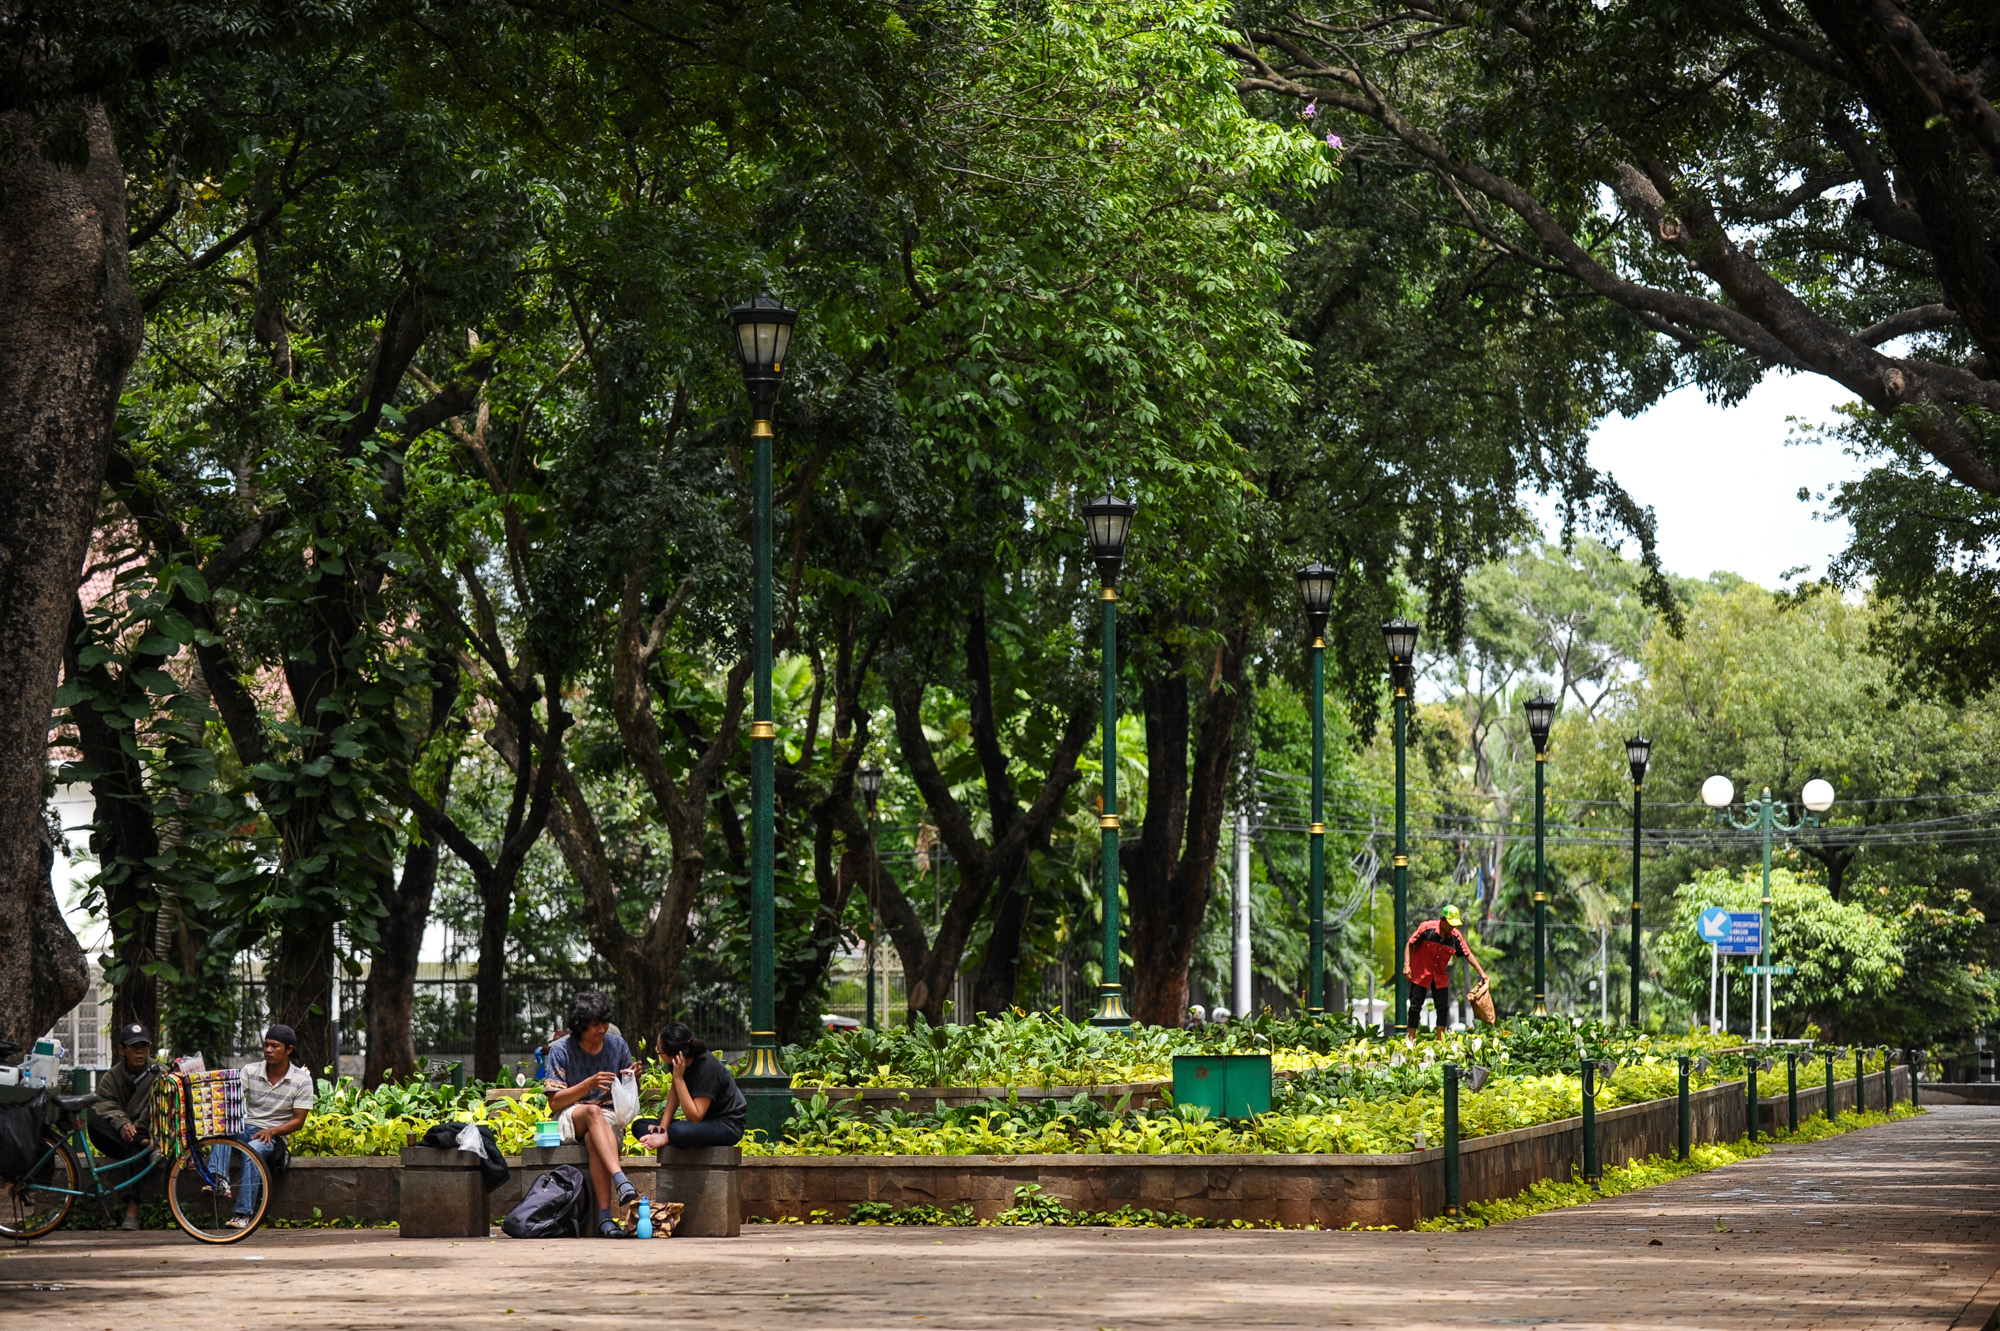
[567, 1122]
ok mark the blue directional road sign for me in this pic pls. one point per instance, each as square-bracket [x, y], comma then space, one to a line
[1737, 933]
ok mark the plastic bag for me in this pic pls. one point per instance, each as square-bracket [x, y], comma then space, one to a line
[468, 1139]
[624, 1098]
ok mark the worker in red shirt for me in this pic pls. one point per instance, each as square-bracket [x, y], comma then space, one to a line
[1427, 960]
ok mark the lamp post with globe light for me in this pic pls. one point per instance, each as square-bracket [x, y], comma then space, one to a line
[1765, 816]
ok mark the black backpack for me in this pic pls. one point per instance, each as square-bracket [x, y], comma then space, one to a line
[553, 1209]
[21, 1126]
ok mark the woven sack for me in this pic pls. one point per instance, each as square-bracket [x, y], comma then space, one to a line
[1481, 999]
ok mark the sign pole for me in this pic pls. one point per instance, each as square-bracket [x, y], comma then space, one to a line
[1714, 960]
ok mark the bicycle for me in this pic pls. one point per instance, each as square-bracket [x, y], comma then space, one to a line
[202, 1179]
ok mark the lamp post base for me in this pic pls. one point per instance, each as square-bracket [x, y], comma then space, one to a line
[767, 1089]
[768, 1103]
[1541, 1008]
[1111, 1007]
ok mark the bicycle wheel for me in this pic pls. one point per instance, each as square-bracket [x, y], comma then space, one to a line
[39, 1201]
[205, 1186]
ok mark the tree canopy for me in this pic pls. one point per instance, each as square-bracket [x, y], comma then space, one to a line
[417, 527]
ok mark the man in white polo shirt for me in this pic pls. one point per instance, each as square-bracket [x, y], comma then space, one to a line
[277, 1096]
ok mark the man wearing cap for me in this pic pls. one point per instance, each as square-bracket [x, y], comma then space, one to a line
[277, 1096]
[1427, 961]
[121, 1121]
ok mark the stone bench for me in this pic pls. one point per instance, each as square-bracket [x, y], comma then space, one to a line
[708, 1183]
[442, 1195]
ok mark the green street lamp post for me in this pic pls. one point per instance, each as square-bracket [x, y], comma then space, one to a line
[1541, 715]
[1400, 637]
[1316, 591]
[763, 335]
[1108, 517]
[1638, 752]
[1765, 816]
[870, 778]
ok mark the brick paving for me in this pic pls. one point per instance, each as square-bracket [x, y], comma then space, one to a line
[1889, 1227]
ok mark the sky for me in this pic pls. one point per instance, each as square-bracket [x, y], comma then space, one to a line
[1723, 482]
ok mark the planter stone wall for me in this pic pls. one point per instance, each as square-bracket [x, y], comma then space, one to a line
[1332, 1191]
[1774, 1113]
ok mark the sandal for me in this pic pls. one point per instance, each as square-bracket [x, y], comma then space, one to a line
[608, 1229]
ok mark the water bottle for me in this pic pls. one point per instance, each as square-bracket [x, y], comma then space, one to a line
[645, 1217]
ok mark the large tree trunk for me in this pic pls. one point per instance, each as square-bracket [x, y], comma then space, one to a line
[648, 963]
[1172, 873]
[1000, 968]
[932, 966]
[123, 838]
[301, 989]
[69, 330]
[389, 998]
[496, 897]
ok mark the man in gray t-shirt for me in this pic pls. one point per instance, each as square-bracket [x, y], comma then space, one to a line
[581, 1067]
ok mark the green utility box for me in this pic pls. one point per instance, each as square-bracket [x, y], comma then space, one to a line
[1227, 1085]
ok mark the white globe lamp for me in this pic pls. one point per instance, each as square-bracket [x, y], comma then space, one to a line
[1817, 795]
[1718, 792]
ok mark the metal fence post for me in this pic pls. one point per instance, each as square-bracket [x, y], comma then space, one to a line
[1451, 1195]
[1590, 1123]
[1829, 1086]
[1792, 1089]
[1683, 1142]
[1913, 1077]
[1750, 1087]
[1860, 1082]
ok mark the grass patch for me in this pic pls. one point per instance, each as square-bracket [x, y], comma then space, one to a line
[320, 1221]
[1031, 1206]
[1554, 1195]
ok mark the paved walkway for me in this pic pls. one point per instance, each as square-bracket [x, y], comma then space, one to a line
[1889, 1227]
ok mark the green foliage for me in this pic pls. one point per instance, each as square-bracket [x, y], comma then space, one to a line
[1038, 1049]
[1359, 1097]
[883, 1213]
[1846, 959]
[1031, 1206]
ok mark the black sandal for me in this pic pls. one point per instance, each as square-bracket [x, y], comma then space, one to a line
[609, 1229]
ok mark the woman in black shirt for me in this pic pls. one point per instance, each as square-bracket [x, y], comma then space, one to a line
[711, 1107]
